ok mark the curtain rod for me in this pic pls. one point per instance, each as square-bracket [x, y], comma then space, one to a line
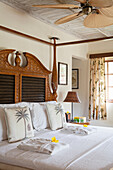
[24, 35]
[101, 55]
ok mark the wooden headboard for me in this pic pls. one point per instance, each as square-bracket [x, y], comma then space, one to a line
[29, 83]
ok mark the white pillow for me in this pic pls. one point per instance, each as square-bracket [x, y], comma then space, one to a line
[21, 104]
[3, 128]
[39, 116]
[56, 116]
[19, 124]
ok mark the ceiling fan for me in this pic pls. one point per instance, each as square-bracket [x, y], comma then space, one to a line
[99, 12]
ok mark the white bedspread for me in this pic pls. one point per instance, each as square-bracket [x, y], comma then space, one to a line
[86, 152]
[42, 146]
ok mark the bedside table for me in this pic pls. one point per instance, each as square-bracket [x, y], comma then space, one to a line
[86, 123]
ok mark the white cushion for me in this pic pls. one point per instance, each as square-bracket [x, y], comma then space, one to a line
[56, 116]
[21, 104]
[3, 128]
[39, 116]
[19, 124]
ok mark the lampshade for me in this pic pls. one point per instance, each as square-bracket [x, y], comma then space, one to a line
[94, 20]
[72, 96]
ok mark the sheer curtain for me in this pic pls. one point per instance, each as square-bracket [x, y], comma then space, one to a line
[97, 93]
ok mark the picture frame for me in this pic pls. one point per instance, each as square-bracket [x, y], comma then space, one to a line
[62, 73]
[75, 78]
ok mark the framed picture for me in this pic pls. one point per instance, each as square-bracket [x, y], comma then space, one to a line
[75, 78]
[62, 73]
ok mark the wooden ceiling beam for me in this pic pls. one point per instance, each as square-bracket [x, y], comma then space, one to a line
[25, 35]
[49, 43]
[84, 41]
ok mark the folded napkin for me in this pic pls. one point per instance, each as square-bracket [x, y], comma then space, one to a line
[42, 146]
[80, 130]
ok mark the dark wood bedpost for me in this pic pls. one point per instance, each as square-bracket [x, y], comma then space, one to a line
[54, 81]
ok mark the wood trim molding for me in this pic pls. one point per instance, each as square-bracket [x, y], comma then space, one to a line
[24, 35]
[100, 55]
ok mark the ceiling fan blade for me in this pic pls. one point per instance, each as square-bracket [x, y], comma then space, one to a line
[68, 18]
[94, 20]
[107, 11]
[81, 1]
[59, 6]
[101, 3]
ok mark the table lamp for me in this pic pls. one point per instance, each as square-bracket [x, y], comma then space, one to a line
[72, 96]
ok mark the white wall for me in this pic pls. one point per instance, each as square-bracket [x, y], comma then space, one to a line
[20, 21]
[100, 47]
[103, 47]
[81, 109]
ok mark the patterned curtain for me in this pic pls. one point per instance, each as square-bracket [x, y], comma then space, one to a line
[97, 94]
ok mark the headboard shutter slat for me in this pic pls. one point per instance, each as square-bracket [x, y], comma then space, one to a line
[7, 88]
[33, 89]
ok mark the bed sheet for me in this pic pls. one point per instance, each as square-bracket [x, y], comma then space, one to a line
[89, 152]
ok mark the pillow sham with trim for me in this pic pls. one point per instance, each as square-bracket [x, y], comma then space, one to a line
[19, 125]
[3, 128]
[56, 116]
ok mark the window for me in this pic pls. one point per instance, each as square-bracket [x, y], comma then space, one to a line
[109, 80]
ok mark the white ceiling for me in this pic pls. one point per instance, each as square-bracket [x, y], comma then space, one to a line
[49, 16]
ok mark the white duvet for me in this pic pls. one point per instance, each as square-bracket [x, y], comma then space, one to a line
[86, 152]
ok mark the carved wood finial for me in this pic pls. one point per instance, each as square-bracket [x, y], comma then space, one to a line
[54, 82]
[17, 59]
[54, 38]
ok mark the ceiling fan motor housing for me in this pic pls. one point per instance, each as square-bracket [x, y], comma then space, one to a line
[87, 9]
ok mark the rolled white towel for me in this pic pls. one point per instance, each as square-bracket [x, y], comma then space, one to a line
[42, 146]
[80, 130]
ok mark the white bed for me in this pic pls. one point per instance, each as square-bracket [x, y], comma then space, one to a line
[89, 152]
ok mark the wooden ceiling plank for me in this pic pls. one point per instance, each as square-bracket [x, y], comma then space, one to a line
[46, 17]
[101, 32]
